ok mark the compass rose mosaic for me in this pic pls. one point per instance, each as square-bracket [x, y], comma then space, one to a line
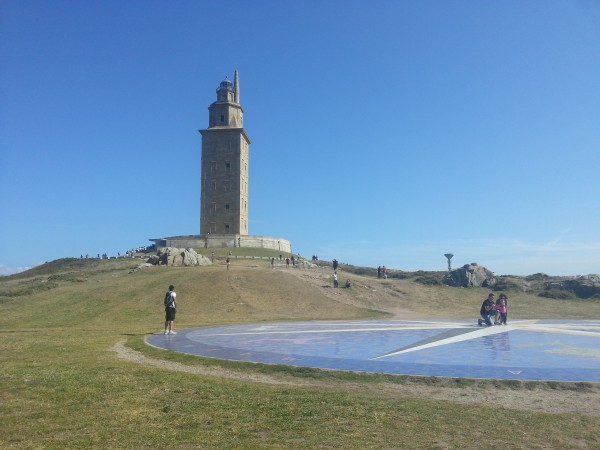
[556, 350]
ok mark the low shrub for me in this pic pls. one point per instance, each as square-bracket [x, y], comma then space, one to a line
[557, 294]
[507, 284]
[429, 279]
[537, 277]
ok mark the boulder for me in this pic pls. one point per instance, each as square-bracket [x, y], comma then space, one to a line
[304, 264]
[140, 266]
[585, 286]
[171, 256]
[470, 275]
[191, 258]
[154, 260]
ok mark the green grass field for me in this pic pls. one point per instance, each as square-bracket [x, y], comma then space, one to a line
[63, 385]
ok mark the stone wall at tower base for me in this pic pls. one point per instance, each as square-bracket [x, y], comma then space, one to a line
[224, 241]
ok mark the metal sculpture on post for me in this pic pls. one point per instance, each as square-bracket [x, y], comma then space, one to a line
[449, 256]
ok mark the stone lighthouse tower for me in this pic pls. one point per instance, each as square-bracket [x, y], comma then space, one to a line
[224, 181]
[224, 173]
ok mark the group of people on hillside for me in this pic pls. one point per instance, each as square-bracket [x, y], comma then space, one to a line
[287, 261]
[336, 282]
[496, 310]
[129, 253]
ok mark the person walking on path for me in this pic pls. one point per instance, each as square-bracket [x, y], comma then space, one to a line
[170, 309]
[335, 280]
[227, 262]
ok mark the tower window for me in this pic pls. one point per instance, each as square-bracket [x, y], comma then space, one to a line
[227, 206]
[227, 228]
[228, 167]
[222, 118]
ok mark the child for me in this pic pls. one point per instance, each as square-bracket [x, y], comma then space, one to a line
[502, 307]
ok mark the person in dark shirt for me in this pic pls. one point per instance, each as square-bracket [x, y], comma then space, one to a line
[170, 309]
[487, 311]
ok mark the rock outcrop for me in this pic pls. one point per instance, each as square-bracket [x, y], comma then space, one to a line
[585, 286]
[171, 256]
[470, 275]
[140, 266]
[305, 264]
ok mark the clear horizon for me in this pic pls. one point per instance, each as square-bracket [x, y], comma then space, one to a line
[382, 134]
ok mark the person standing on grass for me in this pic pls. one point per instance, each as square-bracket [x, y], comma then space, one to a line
[170, 308]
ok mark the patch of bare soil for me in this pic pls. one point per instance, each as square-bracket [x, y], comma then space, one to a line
[542, 398]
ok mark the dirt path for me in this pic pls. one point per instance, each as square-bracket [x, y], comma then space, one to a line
[541, 399]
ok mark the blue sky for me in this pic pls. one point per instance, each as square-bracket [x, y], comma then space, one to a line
[386, 132]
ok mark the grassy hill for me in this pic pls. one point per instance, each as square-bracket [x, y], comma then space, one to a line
[63, 385]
